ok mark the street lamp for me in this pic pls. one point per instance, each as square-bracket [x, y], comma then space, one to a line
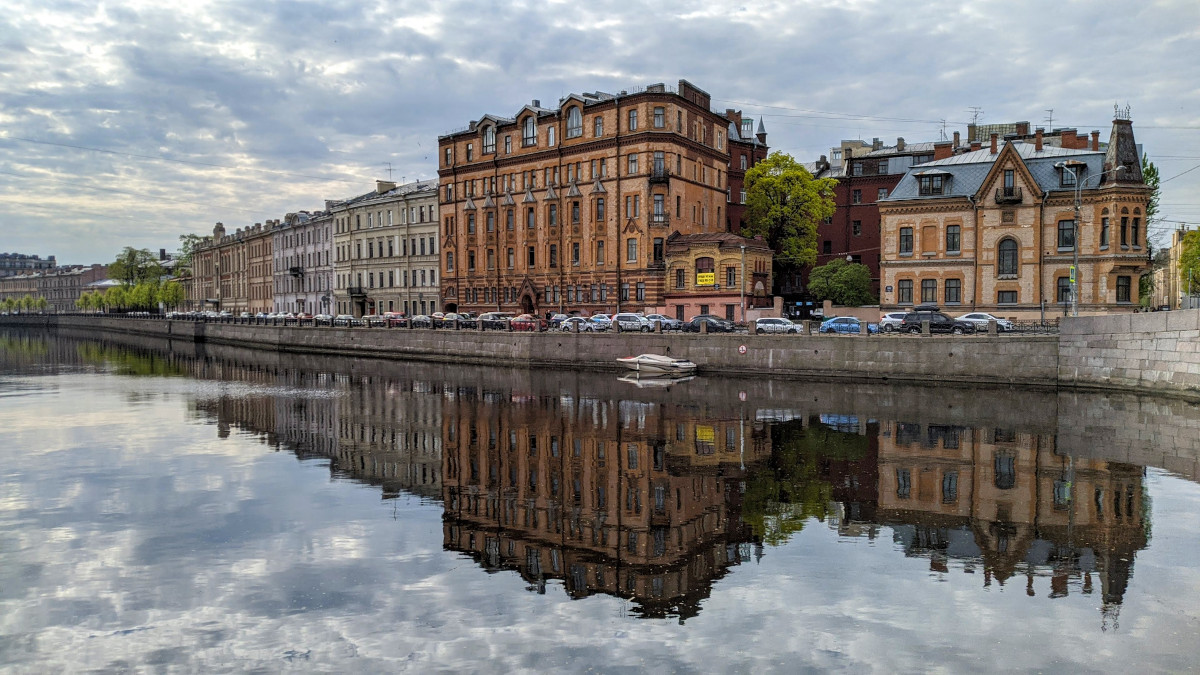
[1065, 166]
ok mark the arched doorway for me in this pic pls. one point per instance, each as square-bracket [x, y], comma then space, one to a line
[527, 304]
[451, 307]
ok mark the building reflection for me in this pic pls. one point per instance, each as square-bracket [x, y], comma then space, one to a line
[1005, 503]
[629, 498]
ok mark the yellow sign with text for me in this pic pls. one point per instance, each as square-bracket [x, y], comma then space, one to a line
[706, 278]
[705, 434]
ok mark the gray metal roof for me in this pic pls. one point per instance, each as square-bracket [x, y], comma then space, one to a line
[965, 173]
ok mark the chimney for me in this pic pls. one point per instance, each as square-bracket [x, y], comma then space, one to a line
[976, 145]
[1095, 140]
[942, 150]
[1069, 139]
[995, 136]
[384, 186]
[537, 103]
[956, 140]
[900, 144]
[162, 254]
[1037, 139]
[876, 144]
[1022, 128]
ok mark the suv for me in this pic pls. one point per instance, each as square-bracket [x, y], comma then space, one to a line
[667, 322]
[938, 322]
[774, 325]
[715, 324]
[632, 322]
[892, 321]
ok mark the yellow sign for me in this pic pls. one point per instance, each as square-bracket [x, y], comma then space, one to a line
[705, 434]
[706, 278]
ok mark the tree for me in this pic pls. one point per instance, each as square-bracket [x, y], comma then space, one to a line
[171, 294]
[187, 248]
[1150, 176]
[41, 304]
[1189, 262]
[114, 298]
[134, 266]
[141, 296]
[843, 283]
[784, 205]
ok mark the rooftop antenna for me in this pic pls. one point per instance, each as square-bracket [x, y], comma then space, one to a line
[976, 113]
[942, 131]
[1050, 118]
[389, 170]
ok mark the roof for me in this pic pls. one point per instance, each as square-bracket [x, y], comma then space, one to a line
[964, 174]
[399, 191]
[722, 239]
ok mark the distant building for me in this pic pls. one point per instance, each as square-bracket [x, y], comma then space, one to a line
[746, 148]
[993, 229]
[385, 246]
[568, 208]
[234, 272]
[303, 263]
[20, 263]
[60, 286]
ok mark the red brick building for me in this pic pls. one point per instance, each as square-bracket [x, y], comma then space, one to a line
[746, 148]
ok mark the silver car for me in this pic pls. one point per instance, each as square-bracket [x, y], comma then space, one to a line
[981, 319]
[775, 325]
[891, 321]
[633, 322]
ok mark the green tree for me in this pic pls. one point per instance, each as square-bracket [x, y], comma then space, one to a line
[10, 305]
[1189, 262]
[134, 266]
[843, 283]
[141, 296]
[1150, 175]
[784, 204]
[114, 298]
[171, 294]
[27, 303]
[41, 304]
[187, 248]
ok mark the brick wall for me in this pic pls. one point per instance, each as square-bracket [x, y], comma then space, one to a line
[1158, 351]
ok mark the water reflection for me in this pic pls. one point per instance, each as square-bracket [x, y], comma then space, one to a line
[654, 495]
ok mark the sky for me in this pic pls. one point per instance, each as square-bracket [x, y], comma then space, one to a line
[132, 123]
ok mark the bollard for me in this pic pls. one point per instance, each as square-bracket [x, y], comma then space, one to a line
[658, 326]
[992, 327]
[703, 327]
[616, 326]
[575, 327]
[925, 328]
[862, 328]
[509, 322]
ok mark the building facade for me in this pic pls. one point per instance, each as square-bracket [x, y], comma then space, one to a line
[995, 229]
[20, 263]
[234, 272]
[568, 209]
[721, 273]
[60, 286]
[303, 263]
[385, 247]
[746, 148]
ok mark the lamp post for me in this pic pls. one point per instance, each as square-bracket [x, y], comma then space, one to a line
[1075, 234]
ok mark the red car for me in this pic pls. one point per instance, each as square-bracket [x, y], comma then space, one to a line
[528, 322]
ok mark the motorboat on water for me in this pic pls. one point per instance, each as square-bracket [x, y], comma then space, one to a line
[656, 364]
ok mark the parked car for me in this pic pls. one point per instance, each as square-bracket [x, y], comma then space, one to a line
[557, 319]
[495, 320]
[715, 324]
[938, 322]
[422, 321]
[632, 322]
[774, 325]
[464, 321]
[667, 322]
[528, 322]
[323, 319]
[846, 324]
[981, 319]
[601, 321]
[374, 320]
[391, 319]
[585, 326]
[344, 320]
[891, 321]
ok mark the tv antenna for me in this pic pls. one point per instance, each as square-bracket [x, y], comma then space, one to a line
[976, 113]
[1050, 118]
[389, 170]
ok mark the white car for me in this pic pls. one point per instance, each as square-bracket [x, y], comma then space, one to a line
[981, 319]
[775, 325]
[632, 322]
[585, 326]
[891, 321]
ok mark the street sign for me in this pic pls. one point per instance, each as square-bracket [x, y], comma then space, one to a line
[1072, 274]
[741, 349]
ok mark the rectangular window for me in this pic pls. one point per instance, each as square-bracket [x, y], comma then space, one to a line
[856, 169]
[906, 241]
[598, 126]
[660, 117]
[600, 253]
[491, 222]
[633, 120]
[470, 223]
[633, 167]
[856, 227]
[511, 259]
[730, 277]
[1123, 289]
[1104, 232]
[827, 247]
[575, 253]
[953, 291]
[856, 197]
[508, 220]
[1066, 235]
[930, 185]
[903, 483]
[1006, 297]
[904, 291]
[508, 145]
[680, 278]
[1064, 290]
[882, 167]
[554, 255]
[631, 250]
[530, 256]
[1134, 232]
[1124, 231]
[929, 290]
[953, 238]
[641, 291]
[882, 194]
[552, 215]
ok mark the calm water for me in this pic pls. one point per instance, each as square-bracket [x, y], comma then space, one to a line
[215, 509]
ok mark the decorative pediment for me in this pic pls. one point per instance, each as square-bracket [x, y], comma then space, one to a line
[470, 205]
[529, 198]
[598, 187]
[488, 203]
[631, 226]
[573, 191]
[527, 287]
[550, 194]
[1008, 158]
[507, 200]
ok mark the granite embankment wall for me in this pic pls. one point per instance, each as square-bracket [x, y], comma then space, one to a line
[1029, 361]
[1159, 352]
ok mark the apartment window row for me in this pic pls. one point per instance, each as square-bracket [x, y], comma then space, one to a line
[951, 291]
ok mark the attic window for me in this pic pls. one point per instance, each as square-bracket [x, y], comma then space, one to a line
[529, 132]
[489, 139]
[930, 185]
[574, 123]
[747, 127]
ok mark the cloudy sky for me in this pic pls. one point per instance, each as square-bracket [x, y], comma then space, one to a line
[130, 123]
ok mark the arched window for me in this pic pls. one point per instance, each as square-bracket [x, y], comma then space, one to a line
[489, 139]
[574, 123]
[1007, 258]
[529, 131]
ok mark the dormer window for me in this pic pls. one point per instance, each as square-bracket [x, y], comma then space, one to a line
[574, 123]
[1072, 173]
[930, 185]
[747, 127]
[529, 132]
[489, 140]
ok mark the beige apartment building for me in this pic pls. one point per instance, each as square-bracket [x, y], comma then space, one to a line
[569, 207]
[385, 246]
[994, 229]
[234, 272]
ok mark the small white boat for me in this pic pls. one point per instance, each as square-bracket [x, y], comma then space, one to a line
[655, 364]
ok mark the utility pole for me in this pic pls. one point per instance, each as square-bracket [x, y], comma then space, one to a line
[742, 296]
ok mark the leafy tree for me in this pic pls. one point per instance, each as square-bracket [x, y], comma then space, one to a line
[134, 266]
[171, 294]
[187, 248]
[784, 205]
[141, 296]
[844, 283]
[41, 304]
[27, 303]
[114, 298]
[1150, 175]
[10, 305]
[1189, 262]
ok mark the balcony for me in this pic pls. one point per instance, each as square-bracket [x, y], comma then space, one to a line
[296, 271]
[357, 292]
[660, 219]
[1009, 195]
[659, 174]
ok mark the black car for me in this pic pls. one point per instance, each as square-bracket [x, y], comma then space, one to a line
[715, 324]
[938, 322]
